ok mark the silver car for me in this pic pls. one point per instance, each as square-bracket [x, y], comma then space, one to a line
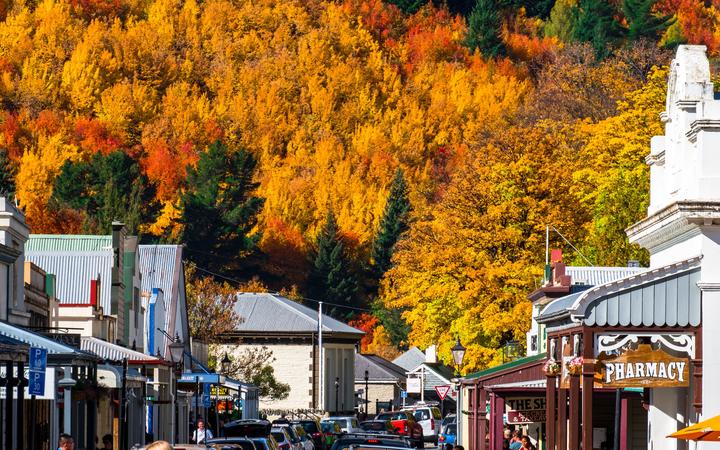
[348, 424]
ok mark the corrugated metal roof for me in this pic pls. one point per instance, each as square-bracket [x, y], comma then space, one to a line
[111, 352]
[506, 366]
[74, 260]
[160, 267]
[595, 276]
[558, 306]
[411, 359]
[271, 312]
[379, 369]
[68, 243]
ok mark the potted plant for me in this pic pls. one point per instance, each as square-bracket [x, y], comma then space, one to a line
[551, 368]
[574, 366]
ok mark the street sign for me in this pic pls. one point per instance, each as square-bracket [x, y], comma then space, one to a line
[403, 394]
[442, 391]
[36, 375]
[414, 385]
[206, 396]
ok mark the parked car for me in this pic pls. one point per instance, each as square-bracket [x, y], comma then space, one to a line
[378, 426]
[430, 419]
[405, 424]
[305, 439]
[331, 431]
[447, 437]
[348, 424]
[450, 418]
[233, 443]
[258, 431]
[294, 438]
[313, 428]
[365, 442]
[282, 436]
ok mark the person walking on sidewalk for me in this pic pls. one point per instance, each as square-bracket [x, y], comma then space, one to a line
[201, 434]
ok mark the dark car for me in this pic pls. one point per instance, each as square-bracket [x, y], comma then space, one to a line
[258, 431]
[378, 426]
[314, 430]
[405, 424]
[234, 443]
[368, 441]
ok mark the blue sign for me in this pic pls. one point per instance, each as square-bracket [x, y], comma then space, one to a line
[38, 359]
[206, 396]
[239, 403]
[403, 394]
[36, 374]
[211, 378]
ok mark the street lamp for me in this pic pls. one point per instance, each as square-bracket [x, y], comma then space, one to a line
[337, 390]
[458, 354]
[367, 377]
[225, 364]
[177, 348]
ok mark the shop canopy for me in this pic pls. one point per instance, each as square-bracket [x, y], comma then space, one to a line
[707, 430]
[58, 352]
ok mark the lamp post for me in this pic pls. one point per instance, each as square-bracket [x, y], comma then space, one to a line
[177, 348]
[225, 364]
[337, 391]
[458, 354]
[367, 377]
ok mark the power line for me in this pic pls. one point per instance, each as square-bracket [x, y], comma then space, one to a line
[234, 280]
[574, 248]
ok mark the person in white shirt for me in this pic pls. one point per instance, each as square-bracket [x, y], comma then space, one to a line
[201, 434]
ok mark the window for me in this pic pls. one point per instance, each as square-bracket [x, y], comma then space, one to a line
[436, 414]
[533, 343]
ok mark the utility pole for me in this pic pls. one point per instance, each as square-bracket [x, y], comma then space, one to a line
[321, 366]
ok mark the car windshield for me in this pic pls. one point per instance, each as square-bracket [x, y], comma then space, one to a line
[436, 414]
[451, 429]
[374, 426]
[279, 436]
[310, 427]
[339, 422]
[330, 427]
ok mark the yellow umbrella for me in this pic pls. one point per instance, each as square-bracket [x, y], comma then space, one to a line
[707, 430]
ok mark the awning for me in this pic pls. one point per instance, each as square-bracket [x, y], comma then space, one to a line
[58, 353]
[111, 376]
[12, 349]
[707, 430]
[116, 353]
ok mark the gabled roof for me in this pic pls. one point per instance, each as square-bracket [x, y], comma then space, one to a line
[411, 359]
[379, 369]
[160, 267]
[436, 374]
[74, 260]
[265, 312]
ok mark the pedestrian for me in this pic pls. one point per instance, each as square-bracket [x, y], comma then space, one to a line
[66, 442]
[507, 434]
[515, 442]
[159, 445]
[201, 434]
[107, 441]
[526, 444]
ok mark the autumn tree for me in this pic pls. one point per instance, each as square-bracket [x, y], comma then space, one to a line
[106, 188]
[8, 171]
[560, 23]
[210, 306]
[484, 29]
[254, 366]
[331, 279]
[219, 208]
[642, 22]
[408, 6]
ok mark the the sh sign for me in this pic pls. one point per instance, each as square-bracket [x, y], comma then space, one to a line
[36, 375]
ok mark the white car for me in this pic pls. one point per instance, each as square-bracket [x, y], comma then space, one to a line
[348, 424]
[430, 419]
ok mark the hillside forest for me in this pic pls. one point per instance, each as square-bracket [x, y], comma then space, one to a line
[398, 159]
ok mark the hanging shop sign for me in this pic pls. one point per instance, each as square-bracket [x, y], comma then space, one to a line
[520, 410]
[642, 367]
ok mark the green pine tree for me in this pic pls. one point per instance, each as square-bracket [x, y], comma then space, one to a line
[393, 223]
[106, 188]
[219, 210]
[642, 23]
[484, 29]
[594, 23]
[331, 279]
[8, 170]
[560, 23]
[408, 6]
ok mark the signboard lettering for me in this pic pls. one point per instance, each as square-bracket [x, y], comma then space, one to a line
[642, 367]
[521, 410]
[36, 374]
